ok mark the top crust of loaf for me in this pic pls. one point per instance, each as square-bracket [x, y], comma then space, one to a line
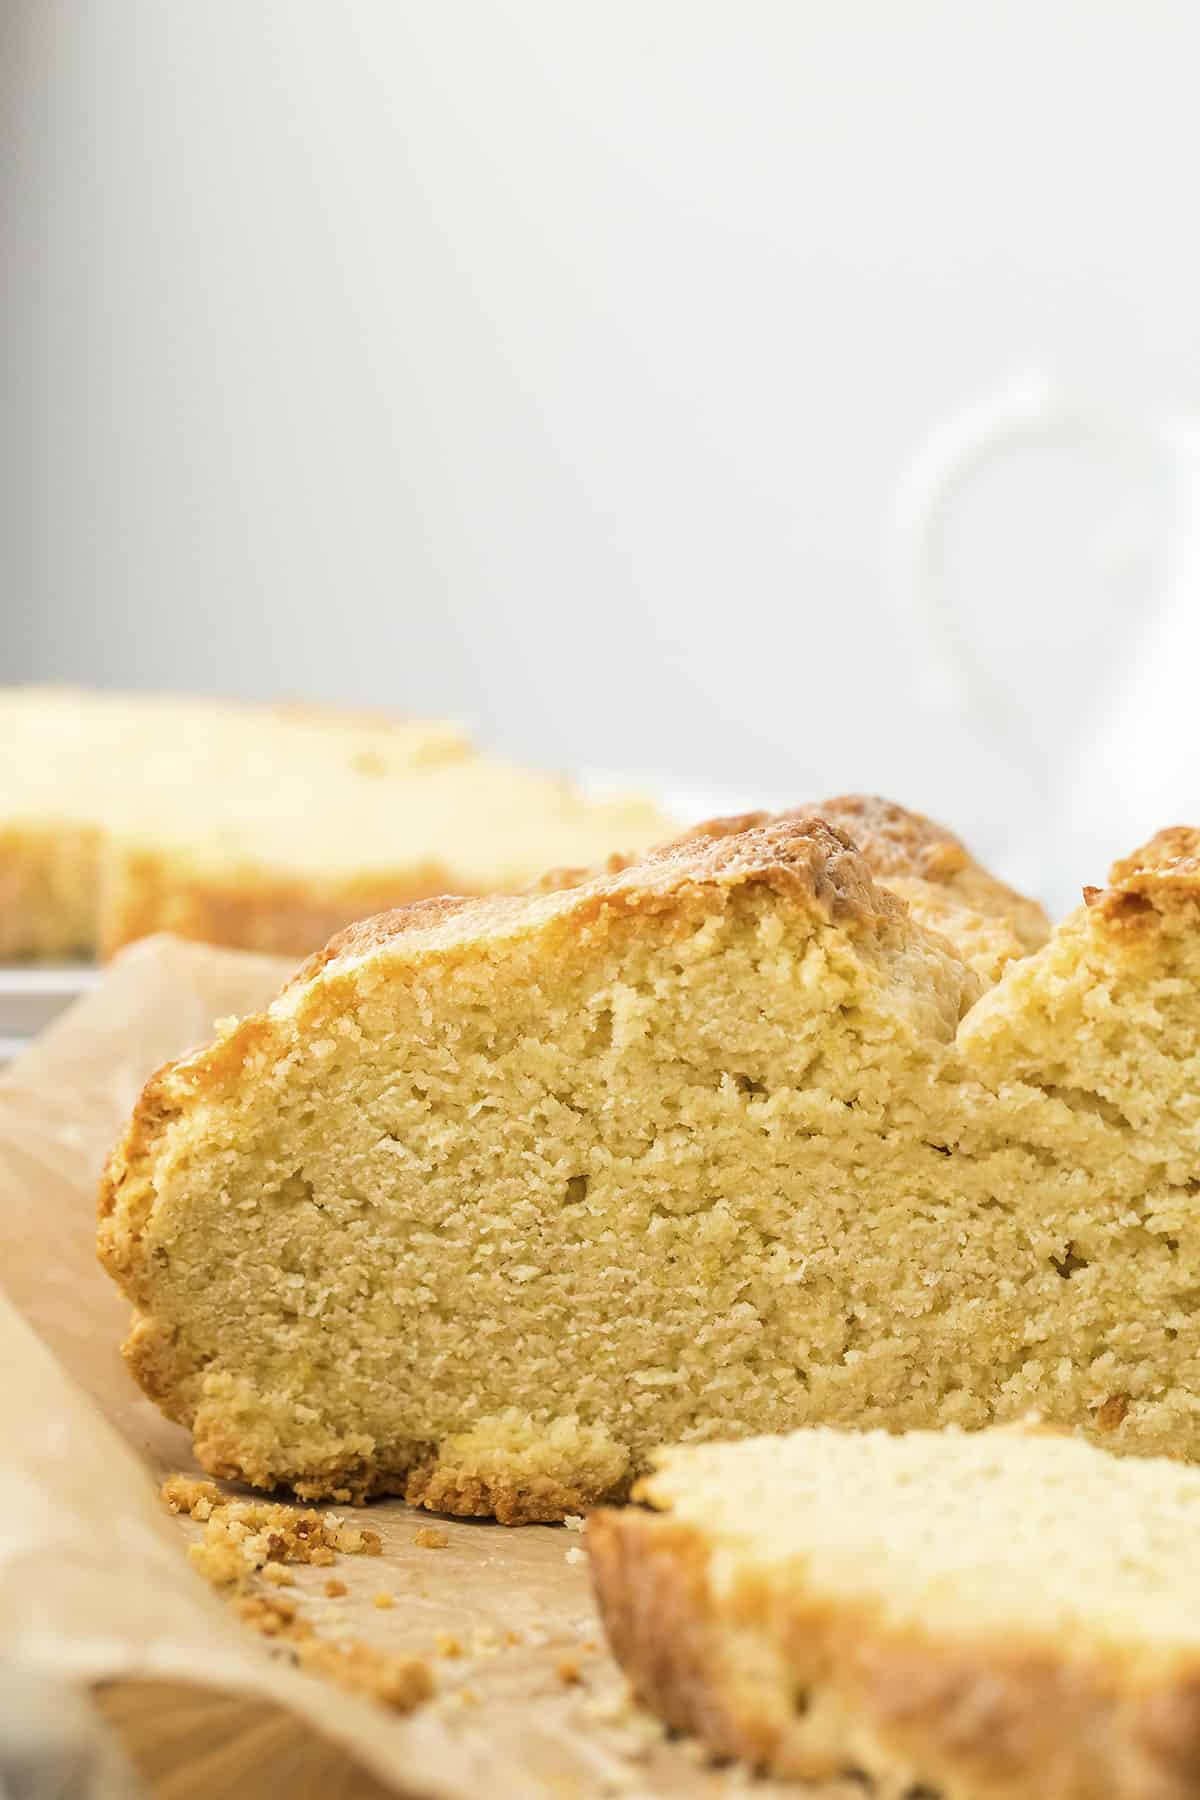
[901, 842]
[798, 855]
[946, 889]
[1163, 873]
[897, 843]
[842, 855]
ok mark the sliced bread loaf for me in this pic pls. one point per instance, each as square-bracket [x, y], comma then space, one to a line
[498, 1195]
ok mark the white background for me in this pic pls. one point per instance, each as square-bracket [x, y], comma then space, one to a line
[549, 364]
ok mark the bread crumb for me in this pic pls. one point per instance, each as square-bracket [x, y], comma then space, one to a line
[186, 1494]
[246, 1539]
[397, 1682]
[383, 1600]
[575, 1555]
[568, 1671]
[241, 1536]
[573, 1521]
[431, 1537]
[513, 1637]
[446, 1644]
[610, 1709]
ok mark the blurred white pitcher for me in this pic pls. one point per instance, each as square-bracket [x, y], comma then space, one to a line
[1136, 764]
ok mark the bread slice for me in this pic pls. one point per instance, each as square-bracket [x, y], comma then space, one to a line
[499, 1195]
[1000, 1615]
[267, 828]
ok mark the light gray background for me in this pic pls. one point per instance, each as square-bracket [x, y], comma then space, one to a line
[549, 364]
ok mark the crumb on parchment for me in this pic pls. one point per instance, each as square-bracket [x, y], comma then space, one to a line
[250, 1541]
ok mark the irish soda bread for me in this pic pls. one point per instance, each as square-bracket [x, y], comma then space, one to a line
[499, 1195]
[985, 1616]
[264, 827]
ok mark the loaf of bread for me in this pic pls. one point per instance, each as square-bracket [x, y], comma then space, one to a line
[499, 1195]
[266, 828]
[997, 1615]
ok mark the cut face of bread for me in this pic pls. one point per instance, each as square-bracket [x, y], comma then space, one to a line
[999, 1615]
[498, 1196]
[268, 828]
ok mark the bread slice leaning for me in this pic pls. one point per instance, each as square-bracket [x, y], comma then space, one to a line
[1001, 1615]
[499, 1195]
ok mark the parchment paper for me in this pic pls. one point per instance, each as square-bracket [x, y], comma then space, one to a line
[94, 1581]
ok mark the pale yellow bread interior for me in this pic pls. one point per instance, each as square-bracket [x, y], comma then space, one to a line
[999, 1615]
[499, 1195]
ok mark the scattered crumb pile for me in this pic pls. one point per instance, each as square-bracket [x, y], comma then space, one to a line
[247, 1539]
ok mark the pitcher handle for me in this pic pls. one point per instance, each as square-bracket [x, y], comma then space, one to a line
[1029, 407]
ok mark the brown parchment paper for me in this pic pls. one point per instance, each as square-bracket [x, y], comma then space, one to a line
[94, 1581]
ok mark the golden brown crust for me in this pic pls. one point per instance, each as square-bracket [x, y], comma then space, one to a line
[797, 855]
[1173, 851]
[804, 1688]
[898, 844]
[1161, 874]
[923, 863]
[359, 937]
[531, 1501]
